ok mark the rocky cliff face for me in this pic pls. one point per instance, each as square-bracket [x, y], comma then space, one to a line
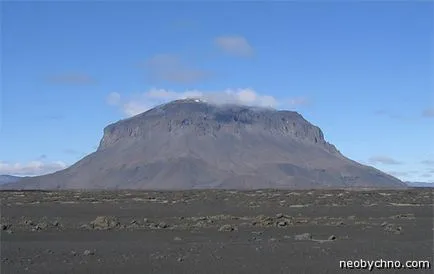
[188, 144]
[207, 119]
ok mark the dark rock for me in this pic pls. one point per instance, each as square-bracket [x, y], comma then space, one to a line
[282, 224]
[332, 238]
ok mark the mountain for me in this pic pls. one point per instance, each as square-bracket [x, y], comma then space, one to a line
[420, 184]
[190, 144]
[4, 179]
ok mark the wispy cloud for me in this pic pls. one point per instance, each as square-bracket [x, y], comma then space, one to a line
[427, 162]
[383, 160]
[72, 79]
[139, 103]
[234, 45]
[426, 175]
[31, 168]
[170, 68]
[428, 112]
[392, 115]
[298, 101]
[399, 174]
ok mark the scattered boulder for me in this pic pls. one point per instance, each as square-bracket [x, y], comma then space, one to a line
[5, 226]
[88, 252]
[332, 238]
[405, 216]
[281, 224]
[41, 226]
[201, 224]
[28, 222]
[279, 215]
[227, 228]
[263, 220]
[303, 237]
[163, 225]
[392, 228]
[105, 223]
[86, 227]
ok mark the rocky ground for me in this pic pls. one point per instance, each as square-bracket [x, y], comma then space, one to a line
[213, 231]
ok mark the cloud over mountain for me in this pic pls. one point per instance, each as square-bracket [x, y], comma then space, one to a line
[139, 103]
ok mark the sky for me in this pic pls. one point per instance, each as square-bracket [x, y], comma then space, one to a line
[363, 71]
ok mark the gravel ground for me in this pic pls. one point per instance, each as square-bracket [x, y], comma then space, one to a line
[266, 231]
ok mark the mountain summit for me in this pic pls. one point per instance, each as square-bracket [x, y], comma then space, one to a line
[188, 144]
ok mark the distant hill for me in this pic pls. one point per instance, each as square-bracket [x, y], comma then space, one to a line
[420, 184]
[192, 144]
[5, 179]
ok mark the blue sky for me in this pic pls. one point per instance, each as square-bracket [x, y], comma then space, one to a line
[362, 71]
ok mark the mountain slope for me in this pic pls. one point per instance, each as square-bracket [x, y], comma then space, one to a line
[4, 179]
[420, 184]
[189, 144]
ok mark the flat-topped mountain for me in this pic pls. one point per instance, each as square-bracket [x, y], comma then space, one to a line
[187, 144]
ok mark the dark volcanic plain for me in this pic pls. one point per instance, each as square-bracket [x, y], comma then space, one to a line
[213, 231]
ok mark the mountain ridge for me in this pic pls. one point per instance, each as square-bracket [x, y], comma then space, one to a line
[188, 144]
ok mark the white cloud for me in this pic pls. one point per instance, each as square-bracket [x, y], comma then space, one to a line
[235, 45]
[383, 160]
[243, 96]
[31, 168]
[297, 101]
[170, 68]
[113, 98]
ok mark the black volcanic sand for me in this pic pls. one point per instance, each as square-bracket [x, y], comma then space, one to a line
[213, 231]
